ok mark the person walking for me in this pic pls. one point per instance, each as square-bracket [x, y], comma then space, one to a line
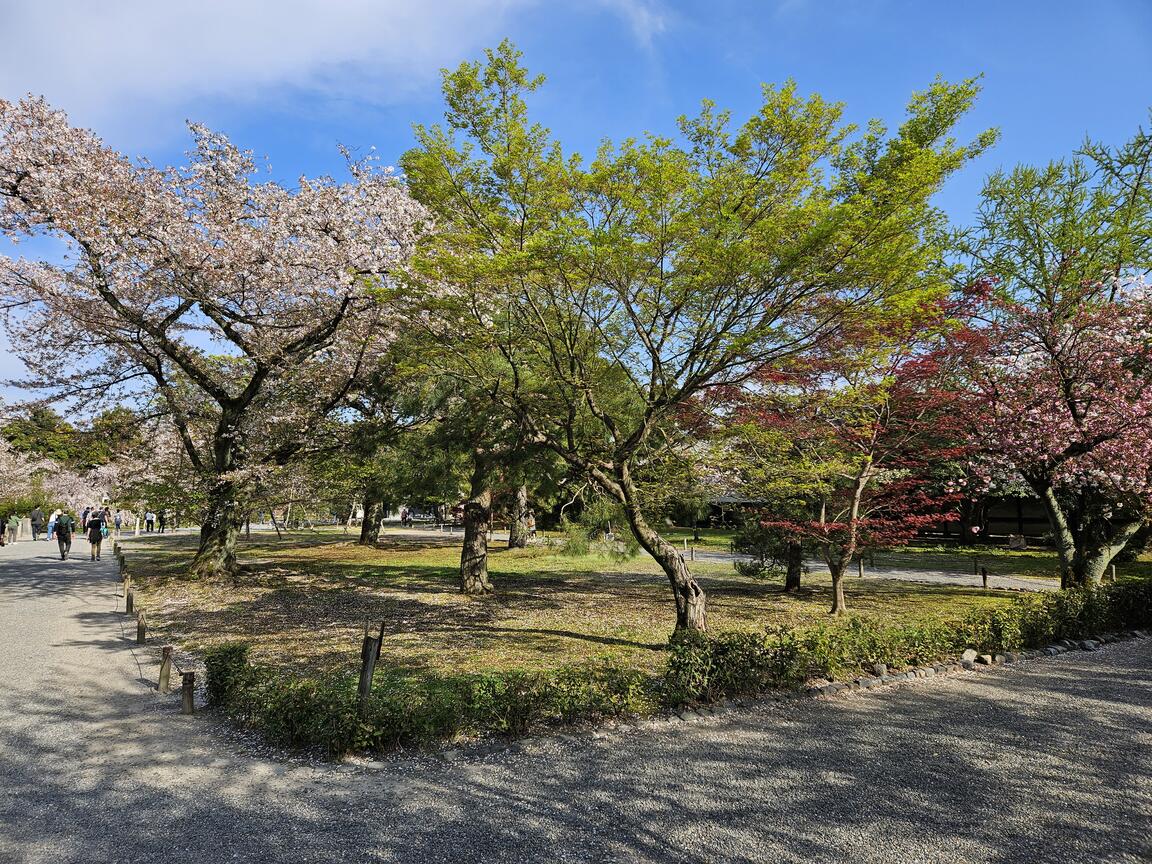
[65, 525]
[162, 519]
[118, 520]
[95, 531]
[13, 526]
[37, 519]
[149, 520]
[531, 525]
[52, 524]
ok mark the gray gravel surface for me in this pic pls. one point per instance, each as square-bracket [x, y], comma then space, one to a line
[1045, 761]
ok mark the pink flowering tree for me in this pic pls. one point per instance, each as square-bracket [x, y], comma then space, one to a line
[1064, 399]
[244, 309]
[1061, 356]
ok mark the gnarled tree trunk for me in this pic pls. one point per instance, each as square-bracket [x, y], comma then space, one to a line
[518, 521]
[477, 521]
[218, 534]
[691, 601]
[1083, 559]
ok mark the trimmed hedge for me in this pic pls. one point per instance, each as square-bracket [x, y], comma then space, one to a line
[703, 667]
[301, 711]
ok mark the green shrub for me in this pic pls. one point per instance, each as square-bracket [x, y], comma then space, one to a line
[705, 667]
[228, 672]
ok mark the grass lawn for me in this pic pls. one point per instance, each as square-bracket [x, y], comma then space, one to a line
[304, 600]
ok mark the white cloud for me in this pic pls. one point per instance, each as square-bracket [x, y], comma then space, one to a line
[647, 18]
[94, 56]
[107, 61]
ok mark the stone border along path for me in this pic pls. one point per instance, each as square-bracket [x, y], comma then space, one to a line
[1027, 762]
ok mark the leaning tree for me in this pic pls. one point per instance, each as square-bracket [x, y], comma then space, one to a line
[245, 308]
[618, 292]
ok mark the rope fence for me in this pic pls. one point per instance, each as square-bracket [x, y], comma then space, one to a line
[167, 663]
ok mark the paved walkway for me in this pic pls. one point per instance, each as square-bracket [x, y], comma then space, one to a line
[1048, 761]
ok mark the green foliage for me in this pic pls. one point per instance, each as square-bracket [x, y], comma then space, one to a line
[768, 546]
[227, 666]
[296, 711]
[403, 710]
[705, 667]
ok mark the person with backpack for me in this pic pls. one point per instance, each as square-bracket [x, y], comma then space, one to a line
[95, 532]
[37, 518]
[65, 525]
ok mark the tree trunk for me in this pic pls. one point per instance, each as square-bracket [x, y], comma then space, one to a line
[218, 535]
[691, 601]
[518, 523]
[839, 606]
[370, 525]
[795, 565]
[477, 522]
[1092, 561]
[1061, 532]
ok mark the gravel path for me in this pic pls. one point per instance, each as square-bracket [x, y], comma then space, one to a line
[1047, 761]
[904, 574]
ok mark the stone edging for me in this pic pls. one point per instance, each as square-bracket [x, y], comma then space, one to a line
[970, 660]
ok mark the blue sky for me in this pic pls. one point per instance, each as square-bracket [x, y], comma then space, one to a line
[292, 79]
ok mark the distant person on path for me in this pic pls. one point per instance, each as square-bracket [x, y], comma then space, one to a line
[95, 531]
[118, 520]
[13, 527]
[52, 524]
[37, 517]
[149, 520]
[64, 528]
[531, 525]
[162, 519]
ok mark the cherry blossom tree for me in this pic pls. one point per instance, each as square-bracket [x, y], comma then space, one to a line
[1062, 351]
[247, 310]
[1063, 399]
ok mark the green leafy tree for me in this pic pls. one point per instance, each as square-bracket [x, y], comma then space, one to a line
[617, 293]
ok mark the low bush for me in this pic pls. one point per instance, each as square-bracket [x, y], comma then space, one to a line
[299, 711]
[705, 667]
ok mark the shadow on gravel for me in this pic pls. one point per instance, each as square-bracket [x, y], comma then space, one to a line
[1044, 763]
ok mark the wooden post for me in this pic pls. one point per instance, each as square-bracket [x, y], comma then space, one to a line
[1111, 572]
[984, 577]
[165, 669]
[685, 544]
[187, 692]
[975, 565]
[860, 566]
[692, 552]
[369, 654]
[129, 600]
[141, 628]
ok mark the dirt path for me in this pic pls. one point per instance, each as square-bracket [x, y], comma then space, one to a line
[1046, 761]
